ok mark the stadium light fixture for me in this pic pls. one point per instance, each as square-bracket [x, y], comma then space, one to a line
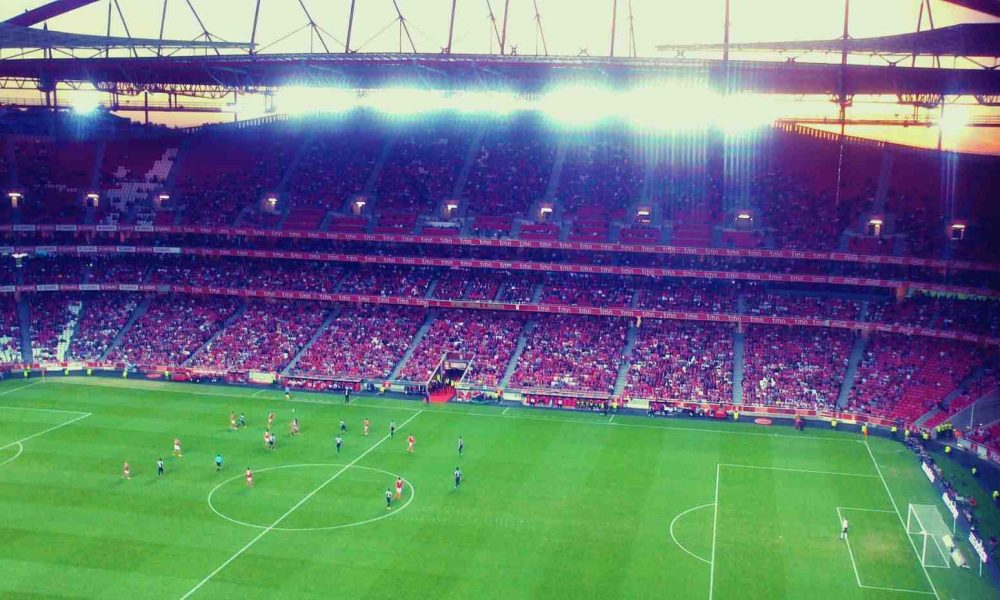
[957, 231]
[578, 105]
[15, 198]
[741, 113]
[300, 100]
[403, 102]
[744, 216]
[668, 106]
[272, 201]
[164, 197]
[85, 102]
[483, 102]
[953, 119]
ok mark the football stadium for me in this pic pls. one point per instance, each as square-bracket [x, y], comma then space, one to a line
[454, 299]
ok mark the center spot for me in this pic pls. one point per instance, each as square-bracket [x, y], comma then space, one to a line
[352, 495]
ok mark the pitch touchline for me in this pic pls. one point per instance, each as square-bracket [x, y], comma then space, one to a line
[291, 510]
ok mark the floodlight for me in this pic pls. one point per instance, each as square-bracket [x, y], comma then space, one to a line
[85, 103]
[743, 216]
[404, 101]
[485, 102]
[953, 119]
[670, 106]
[299, 100]
[273, 201]
[744, 112]
[451, 205]
[578, 105]
[545, 210]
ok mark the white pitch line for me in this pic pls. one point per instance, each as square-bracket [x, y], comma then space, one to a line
[854, 565]
[290, 511]
[799, 470]
[680, 545]
[50, 410]
[33, 436]
[20, 449]
[20, 387]
[258, 392]
[715, 521]
[495, 415]
[612, 419]
[874, 510]
[901, 522]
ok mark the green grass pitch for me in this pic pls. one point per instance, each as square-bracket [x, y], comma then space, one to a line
[554, 505]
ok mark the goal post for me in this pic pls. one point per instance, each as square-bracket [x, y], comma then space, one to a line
[927, 528]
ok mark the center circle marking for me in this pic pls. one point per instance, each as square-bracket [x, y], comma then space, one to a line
[308, 465]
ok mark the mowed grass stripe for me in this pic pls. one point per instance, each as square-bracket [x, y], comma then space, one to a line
[559, 505]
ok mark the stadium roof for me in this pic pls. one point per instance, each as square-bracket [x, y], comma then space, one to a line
[520, 73]
[16, 36]
[972, 39]
[987, 7]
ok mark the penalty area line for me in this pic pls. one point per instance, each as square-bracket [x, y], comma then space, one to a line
[50, 429]
[297, 505]
[902, 523]
[20, 387]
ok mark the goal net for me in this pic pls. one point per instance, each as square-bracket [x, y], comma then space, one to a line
[928, 529]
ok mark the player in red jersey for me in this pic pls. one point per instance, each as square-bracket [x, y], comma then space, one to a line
[267, 437]
[126, 471]
[177, 448]
[411, 440]
[367, 424]
[249, 477]
[399, 487]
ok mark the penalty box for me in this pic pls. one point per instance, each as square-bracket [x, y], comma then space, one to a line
[19, 424]
[776, 533]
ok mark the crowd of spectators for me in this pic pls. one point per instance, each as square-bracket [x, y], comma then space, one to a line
[510, 171]
[10, 331]
[798, 305]
[574, 353]
[487, 338]
[333, 166]
[421, 171]
[51, 318]
[795, 367]
[102, 317]
[264, 337]
[904, 377]
[362, 342]
[172, 329]
[676, 360]
[600, 178]
[577, 289]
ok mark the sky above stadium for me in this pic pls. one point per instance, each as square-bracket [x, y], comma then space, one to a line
[570, 27]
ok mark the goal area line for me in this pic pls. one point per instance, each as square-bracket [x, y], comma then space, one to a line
[854, 564]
